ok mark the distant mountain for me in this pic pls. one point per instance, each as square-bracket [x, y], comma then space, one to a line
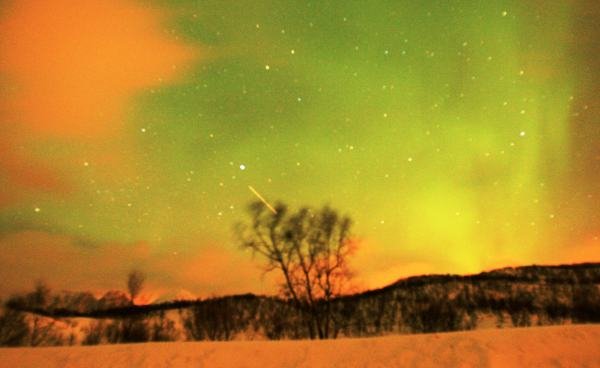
[113, 299]
[180, 294]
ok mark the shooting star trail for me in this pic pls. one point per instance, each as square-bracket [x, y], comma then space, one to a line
[262, 199]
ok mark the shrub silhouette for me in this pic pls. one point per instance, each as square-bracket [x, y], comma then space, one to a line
[14, 329]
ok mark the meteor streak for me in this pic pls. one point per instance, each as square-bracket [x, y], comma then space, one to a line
[262, 199]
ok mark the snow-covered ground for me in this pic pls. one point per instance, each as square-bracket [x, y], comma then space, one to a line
[556, 346]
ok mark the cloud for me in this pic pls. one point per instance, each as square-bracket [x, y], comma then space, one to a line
[23, 174]
[68, 263]
[376, 268]
[70, 70]
[74, 66]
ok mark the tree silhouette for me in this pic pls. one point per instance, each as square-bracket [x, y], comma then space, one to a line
[310, 248]
[135, 283]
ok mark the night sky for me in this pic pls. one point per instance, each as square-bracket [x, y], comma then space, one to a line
[460, 136]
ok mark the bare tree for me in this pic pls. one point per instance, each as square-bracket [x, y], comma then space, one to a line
[135, 283]
[310, 248]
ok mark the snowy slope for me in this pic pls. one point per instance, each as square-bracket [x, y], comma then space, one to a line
[556, 346]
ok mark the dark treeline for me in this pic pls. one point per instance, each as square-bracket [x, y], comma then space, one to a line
[524, 296]
[513, 297]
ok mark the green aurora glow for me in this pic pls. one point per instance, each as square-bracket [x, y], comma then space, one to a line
[445, 129]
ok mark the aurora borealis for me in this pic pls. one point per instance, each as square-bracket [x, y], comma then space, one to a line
[460, 136]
